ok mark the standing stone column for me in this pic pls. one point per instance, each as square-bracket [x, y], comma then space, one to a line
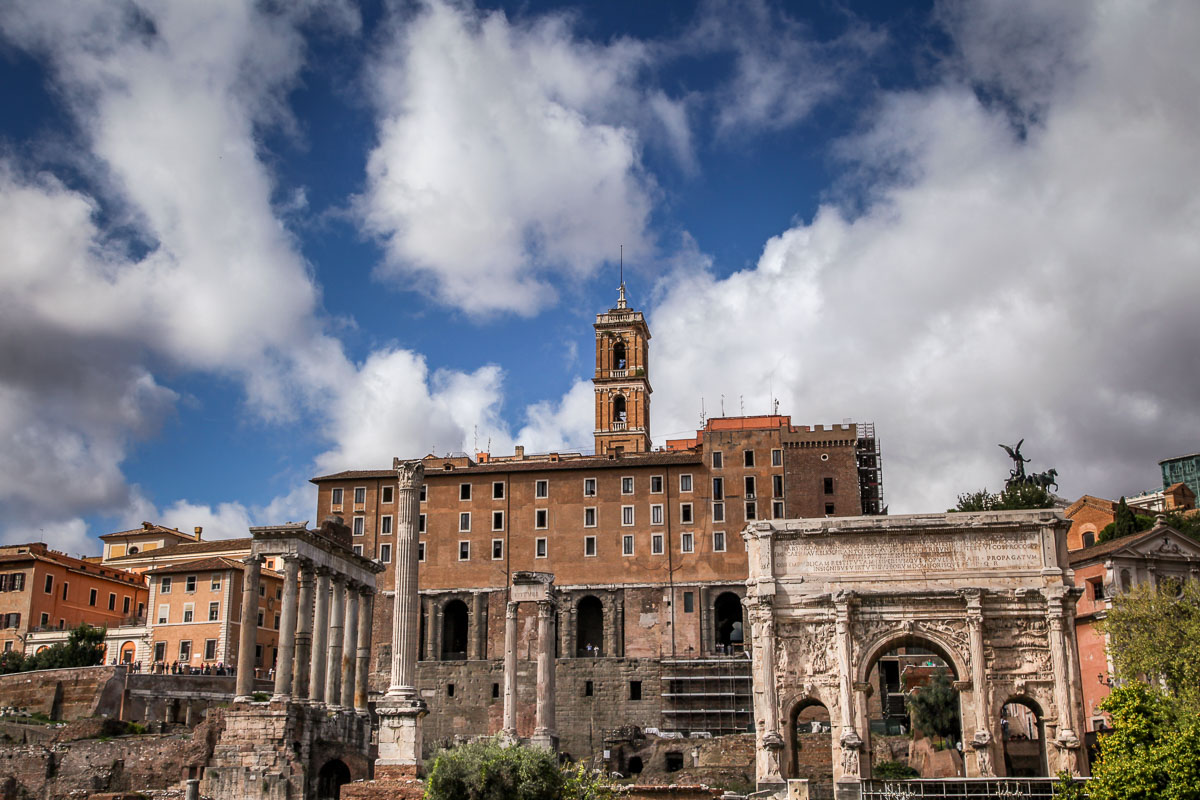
[287, 628]
[1066, 740]
[766, 702]
[350, 649]
[363, 656]
[304, 627]
[982, 740]
[478, 627]
[545, 733]
[850, 740]
[510, 671]
[316, 680]
[337, 619]
[401, 709]
[249, 633]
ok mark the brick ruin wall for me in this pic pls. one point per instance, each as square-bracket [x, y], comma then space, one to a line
[65, 694]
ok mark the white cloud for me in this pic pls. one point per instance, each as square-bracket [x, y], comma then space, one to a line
[499, 166]
[1003, 281]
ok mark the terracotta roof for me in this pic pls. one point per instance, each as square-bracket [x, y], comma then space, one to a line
[95, 570]
[149, 528]
[661, 458]
[1089, 500]
[1113, 545]
[188, 548]
[200, 565]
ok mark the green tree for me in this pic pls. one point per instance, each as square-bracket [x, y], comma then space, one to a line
[1125, 523]
[11, 661]
[84, 648]
[581, 783]
[933, 708]
[1017, 496]
[491, 770]
[1154, 635]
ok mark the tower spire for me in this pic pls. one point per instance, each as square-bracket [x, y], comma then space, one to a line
[621, 291]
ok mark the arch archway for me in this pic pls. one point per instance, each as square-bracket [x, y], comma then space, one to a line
[619, 361]
[589, 626]
[618, 407]
[128, 650]
[1023, 736]
[454, 631]
[810, 742]
[333, 775]
[728, 625]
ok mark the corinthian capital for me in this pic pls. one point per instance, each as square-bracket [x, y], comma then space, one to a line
[408, 473]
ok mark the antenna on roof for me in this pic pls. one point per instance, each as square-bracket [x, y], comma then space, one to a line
[722, 405]
[702, 422]
[475, 440]
[741, 405]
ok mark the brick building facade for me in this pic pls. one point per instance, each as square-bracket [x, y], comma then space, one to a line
[644, 544]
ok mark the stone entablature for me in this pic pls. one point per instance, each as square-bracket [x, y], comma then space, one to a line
[991, 593]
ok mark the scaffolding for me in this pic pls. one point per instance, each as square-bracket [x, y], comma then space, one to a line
[707, 695]
[870, 469]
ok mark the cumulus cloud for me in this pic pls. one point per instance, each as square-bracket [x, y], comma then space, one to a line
[500, 164]
[1003, 281]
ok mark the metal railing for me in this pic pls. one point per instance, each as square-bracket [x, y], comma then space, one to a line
[954, 788]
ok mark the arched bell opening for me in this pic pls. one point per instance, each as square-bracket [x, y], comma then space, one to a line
[618, 407]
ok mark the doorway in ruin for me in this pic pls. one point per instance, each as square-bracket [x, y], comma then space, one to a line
[810, 743]
[454, 631]
[902, 670]
[1024, 738]
[331, 778]
[729, 628]
[589, 622]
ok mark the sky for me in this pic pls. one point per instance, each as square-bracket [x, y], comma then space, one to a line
[246, 243]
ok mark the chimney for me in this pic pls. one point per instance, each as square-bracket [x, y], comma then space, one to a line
[147, 525]
[519, 452]
[198, 530]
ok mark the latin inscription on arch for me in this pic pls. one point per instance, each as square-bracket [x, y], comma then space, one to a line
[908, 552]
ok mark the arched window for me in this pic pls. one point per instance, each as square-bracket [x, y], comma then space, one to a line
[619, 408]
[454, 631]
[133, 549]
[589, 625]
[619, 355]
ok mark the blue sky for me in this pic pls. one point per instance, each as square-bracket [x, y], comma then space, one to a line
[243, 246]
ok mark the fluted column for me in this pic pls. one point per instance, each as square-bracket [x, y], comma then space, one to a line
[761, 614]
[337, 622]
[1067, 738]
[982, 740]
[249, 632]
[850, 740]
[510, 670]
[316, 680]
[350, 647]
[406, 608]
[304, 627]
[545, 733]
[287, 628]
[363, 656]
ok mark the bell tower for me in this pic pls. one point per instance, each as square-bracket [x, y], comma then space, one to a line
[622, 380]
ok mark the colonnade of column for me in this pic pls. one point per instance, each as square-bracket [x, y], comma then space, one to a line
[545, 726]
[324, 645]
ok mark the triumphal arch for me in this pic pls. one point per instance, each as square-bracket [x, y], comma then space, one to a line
[989, 593]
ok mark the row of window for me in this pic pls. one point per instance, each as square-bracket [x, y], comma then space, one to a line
[185, 650]
[189, 583]
[687, 544]
[387, 496]
[12, 581]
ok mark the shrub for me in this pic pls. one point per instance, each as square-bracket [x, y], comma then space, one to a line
[894, 770]
[491, 770]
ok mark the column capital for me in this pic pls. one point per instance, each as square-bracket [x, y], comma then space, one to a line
[409, 474]
[545, 607]
[290, 558]
[365, 590]
[337, 578]
[253, 560]
[511, 610]
[323, 571]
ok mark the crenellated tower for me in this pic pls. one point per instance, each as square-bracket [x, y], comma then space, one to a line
[622, 380]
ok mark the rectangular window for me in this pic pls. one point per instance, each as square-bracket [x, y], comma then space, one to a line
[627, 485]
[685, 483]
[45, 620]
[261, 619]
[687, 544]
[125, 605]
[777, 486]
[497, 490]
[589, 487]
[750, 486]
[1097, 590]
[160, 651]
[717, 459]
[464, 551]
[112, 601]
[827, 484]
[635, 690]
[828, 509]
[66, 585]
[358, 549]
[498, 520]
[424, 492]
[627, 515]
[656, 484]
[777, 509]
[189, 611]
[164, 613]
[718, 489]
[421, 523]
[92, 597]
[540, 546]
[656, 514]
[685, 513]
[748, 457]
[777, 458]
[164, 586]
[541, 518]
[276, 625]
[751, 510]
[718, 541]
[420, 551]
[214, 612]
[689, 602]
[215, 584]
[541, 489]
[589, 517]
[718, 512]
[385, 525]
[464, 521]
[49, 587]
[359, 525]
[210, 649]
[388, 495]
[589, 546]
[185, 650]
[335, 498]
[464, 491]
[385, 553]
[189, 584]
[627, 545]
[656, 544]
[589, 689]
[360, 495]
[497, 549]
